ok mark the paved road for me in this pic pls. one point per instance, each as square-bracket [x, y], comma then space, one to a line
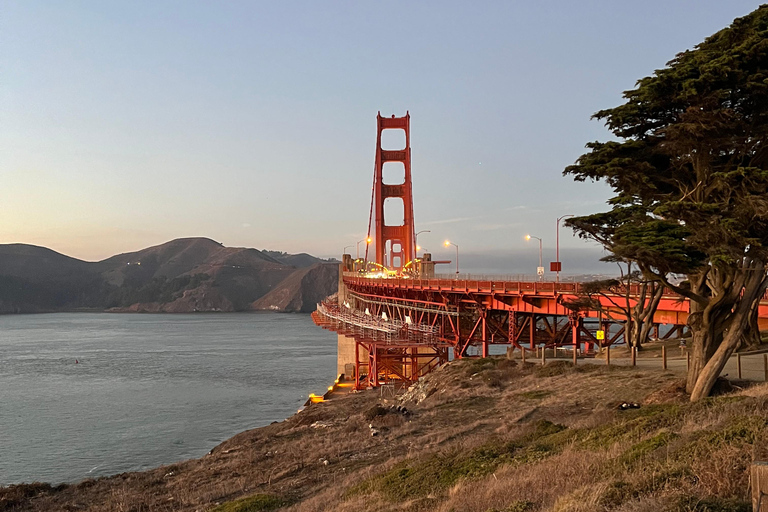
[752, 365]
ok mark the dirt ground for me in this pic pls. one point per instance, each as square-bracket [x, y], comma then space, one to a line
[477, 435]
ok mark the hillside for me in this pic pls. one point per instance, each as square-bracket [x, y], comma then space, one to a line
[183, 275]
[302, 290]
[35, 279]
[479, 435]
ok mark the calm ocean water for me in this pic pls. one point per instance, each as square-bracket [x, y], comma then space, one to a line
[85, 395]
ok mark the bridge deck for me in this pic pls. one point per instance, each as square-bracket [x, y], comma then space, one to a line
[544, 297]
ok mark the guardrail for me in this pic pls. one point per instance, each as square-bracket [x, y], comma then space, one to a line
[751, 366]
[452, 283]
[392, 330]
[476, 285]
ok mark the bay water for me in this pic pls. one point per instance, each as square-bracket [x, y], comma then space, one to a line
[91, 394]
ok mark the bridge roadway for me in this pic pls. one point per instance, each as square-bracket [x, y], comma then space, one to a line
[750, 366]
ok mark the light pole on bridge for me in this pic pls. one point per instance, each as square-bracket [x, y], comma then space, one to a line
[367, 240]
[416, 240]
[448, 243]
[539, 270]
[557, 250]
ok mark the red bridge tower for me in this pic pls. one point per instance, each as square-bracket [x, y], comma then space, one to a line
[394, 243]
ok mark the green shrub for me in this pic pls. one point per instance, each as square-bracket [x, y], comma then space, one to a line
[643, 448]
[413, 479]
[535, 394]
[255, 503]
[710, 504]
[517, 506]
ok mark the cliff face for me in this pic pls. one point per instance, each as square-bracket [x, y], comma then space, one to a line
[302, 290]
[184, 275]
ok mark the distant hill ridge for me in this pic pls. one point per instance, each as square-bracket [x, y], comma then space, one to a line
[183, 275]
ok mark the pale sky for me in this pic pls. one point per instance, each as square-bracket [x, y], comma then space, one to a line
[128, 124]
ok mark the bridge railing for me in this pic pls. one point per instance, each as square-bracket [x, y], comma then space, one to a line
[486, 284]
[478, 283]
[392, 330]
[523, 278]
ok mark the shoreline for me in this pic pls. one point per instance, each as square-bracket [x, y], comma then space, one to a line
[171, 463]
[476, 435]
[147, 391]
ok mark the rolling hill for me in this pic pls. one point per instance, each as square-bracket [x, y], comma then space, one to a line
[183, 275]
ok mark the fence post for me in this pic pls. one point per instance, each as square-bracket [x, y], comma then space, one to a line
[758, 479]
[664, 357]
[543, 355]
[522, 354]
[608, 355]
[738, 364]
[634, 356]
[574, 356]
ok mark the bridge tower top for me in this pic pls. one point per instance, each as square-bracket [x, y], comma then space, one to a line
[394, 244]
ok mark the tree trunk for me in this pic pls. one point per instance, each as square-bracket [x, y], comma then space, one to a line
[752, 337]
[704, 343]
[701, 334]
[711, 370]
[635, 311]
[646, 316]
[697, 359]
[736, 320]
[642, 312]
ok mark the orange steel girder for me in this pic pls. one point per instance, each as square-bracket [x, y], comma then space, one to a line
[394, 244]
[535, 311]
[388, 362]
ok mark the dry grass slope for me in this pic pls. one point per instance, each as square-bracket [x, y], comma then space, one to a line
[484, 435]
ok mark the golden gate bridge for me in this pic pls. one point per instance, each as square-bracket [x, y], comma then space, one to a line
[398, 320]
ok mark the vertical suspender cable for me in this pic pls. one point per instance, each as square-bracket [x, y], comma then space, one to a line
[370, 214]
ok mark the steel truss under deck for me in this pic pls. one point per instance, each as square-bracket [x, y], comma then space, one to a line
[483, 313]
[386, 349]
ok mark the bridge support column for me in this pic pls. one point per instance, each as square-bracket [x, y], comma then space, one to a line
[346, 356]
[484, 316]
[532, 330]
[576, 324]
[357, 365]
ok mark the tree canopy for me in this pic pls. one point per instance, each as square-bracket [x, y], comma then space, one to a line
[689, 170]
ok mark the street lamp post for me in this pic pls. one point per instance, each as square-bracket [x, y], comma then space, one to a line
[416, 240]
[539, 270]
[557, 250]
[448, 244]
[344, 251]
[367, 240]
